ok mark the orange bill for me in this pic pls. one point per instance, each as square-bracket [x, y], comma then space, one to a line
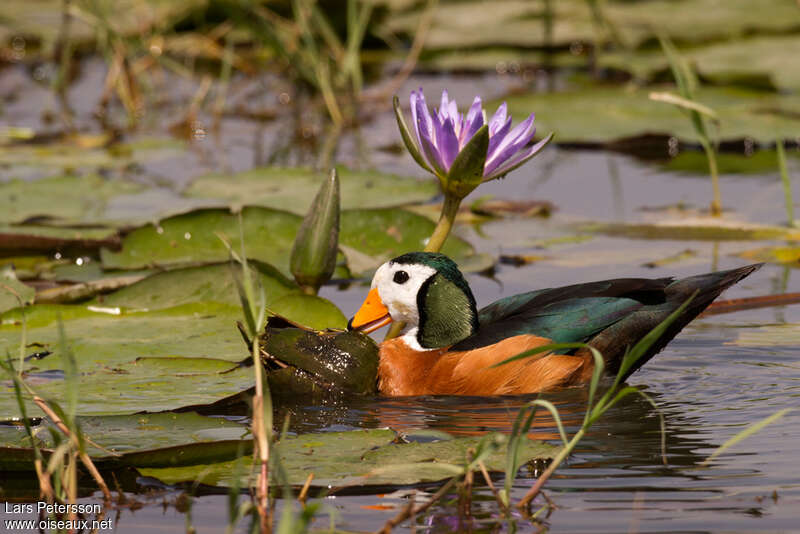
[372, 315]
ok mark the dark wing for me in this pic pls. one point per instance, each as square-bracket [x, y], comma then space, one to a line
[611, 315]
[565, 314]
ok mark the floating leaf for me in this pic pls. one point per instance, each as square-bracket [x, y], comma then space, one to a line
[783, 255]
[695, 163]
[292, 189]
[32, 239]
[701, 229]
[161, 439]
[131, 362]
[13, 293]
[390, 233]
[359, 458]
[191, 238]
[777, 335]
[70, 155]
[207, 283]
[67, 198]
[601, 115]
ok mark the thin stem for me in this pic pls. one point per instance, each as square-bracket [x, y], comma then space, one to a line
[537, 487]
[787, 184]
[435, 243]
[716, 203]
[445, 224]
[410, 511]
[85, 459]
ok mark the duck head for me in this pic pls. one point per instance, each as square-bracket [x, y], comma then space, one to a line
[426, 291]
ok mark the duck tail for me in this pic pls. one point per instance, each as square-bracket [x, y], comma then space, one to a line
[616, 339]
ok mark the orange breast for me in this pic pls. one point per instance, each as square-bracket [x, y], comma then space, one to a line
[402, 371]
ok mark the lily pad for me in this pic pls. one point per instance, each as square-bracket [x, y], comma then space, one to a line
[292, 189]
[121, 434]
[360, 458]
[786, 335]
[600, 115]
[13, 293]
[740, 60]
[519, 23]
[207, 283]
[191, 238]
[387, 233]
[71, 156]
[66, 198]
[33, 239]
[131, 362]
[782, 255]
[702, 229]
[694, 162]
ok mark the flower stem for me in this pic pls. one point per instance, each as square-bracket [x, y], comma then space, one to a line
[445, 224]
[716, 202]
[435, 243]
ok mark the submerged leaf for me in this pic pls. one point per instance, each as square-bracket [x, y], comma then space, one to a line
[344, 360]
[360, 458]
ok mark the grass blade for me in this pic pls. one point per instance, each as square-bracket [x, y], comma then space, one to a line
[747, 432]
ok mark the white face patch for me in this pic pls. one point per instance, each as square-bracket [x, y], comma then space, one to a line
[401, 297]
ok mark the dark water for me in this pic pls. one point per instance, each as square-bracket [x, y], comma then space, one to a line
[721, 374]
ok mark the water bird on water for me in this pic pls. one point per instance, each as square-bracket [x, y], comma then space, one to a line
[450, 347]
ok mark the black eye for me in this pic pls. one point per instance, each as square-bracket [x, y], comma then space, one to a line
[400, 277]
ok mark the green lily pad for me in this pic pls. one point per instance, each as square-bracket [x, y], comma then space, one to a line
[703, 229]
[33, 239]
[309, 310]
[207, 283]
[120, 434]
[387, 233]
[72, 156]
[164, 342]
[777, 335]
[519, 23]
[781, 255]
[67, 198]
[13, 293]
[740, 60]
[191, 238]
[152, 440]
[131, 362]
[359, 458]
[601, 115]
[292, 189]
[695, 163]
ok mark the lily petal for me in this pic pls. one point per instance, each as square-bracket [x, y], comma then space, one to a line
[472, 123]
[514, 141]
[431, 151]
[498, 137]
[498, 119]
[447, 142]
[519, 159]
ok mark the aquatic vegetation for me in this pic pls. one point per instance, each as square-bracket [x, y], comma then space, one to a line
[313, 257]
[787, 186]
[698, 113]
[137, 132]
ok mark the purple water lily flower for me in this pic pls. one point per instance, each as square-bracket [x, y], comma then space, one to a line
[446, 134]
